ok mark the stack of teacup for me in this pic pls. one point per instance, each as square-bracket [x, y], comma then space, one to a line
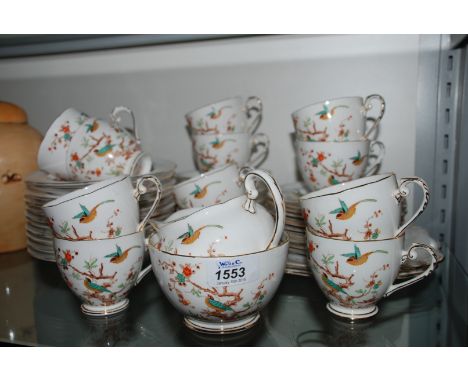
[331, 142]
[78, 147]
[224, 133]
[355, 241]
[99, 241]
[221, 264]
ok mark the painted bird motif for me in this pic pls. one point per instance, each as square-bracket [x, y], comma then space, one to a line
[215, 115]
[356, 258]
[104, 150]
[358, 158]
[191, 236]
[87, 216]
[119, 256]
[200, 193]
[326, 113]
[94, 287]
[331, 285]
[92, 127]
[345, 212]
[217, 144]
[332, 181]
[216, 305]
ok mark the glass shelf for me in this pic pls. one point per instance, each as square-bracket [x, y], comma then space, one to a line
[36, 308]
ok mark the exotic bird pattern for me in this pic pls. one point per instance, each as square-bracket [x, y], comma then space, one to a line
[213, 114]
[330, 284]
[358, 159]
[87, 216]
[356, 258]
[344, 212]
[326, 113]
[192, 235]
[218, 144]
[200, 193]
[93, 287]
[119, 256]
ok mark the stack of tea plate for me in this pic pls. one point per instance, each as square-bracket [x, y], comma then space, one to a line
[42, 188]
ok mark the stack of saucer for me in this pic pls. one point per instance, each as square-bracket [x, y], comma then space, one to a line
[41, 188]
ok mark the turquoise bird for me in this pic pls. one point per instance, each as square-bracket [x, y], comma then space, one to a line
[95, 287]
[331, 285]
[216, 305]
[326, 113]
[87, 216]
[92, 127]
[358, 158]
[119, 256]
[104, 150]
[356, 258]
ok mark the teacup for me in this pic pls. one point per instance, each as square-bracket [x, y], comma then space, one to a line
[212, 187]
[53, 151]
[219, 294]
[235, 227]
[214, 151]
[364, 209]
[340, 119]
[105, 209]
[355, 275]
[101, 150]
[102, 272]
[325, 164]
[226, 116]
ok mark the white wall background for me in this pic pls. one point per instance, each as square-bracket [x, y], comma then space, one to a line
[161, 83]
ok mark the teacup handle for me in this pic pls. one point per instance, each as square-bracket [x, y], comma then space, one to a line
[368, 106]
[380, 156]
[407, 255]
[403, 192]
[140, 190]
[262, 143]
[145, 271]
[254, 112]
[116, 119]
[252, 194]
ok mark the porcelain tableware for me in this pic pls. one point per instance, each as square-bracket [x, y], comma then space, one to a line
[212, 187]
[226, 116]
[103, 210]
[324, 164]
[102, 272]
[235, 227]
[364, 209]
[214, 151]
[219, 294]
[340, 119]
[355, 275]
[53, 151]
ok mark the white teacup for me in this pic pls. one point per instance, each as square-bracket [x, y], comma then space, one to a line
[364, 209]
[340, 119]
[242, 149]
[325, 164]
[102, 272]
[355, 275]
[101, 149]
[53, 152]
[226, 116]
[105, 209]
[212, 187]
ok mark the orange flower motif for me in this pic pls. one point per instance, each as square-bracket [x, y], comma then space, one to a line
[187, 271]
[66, 128]
[75, 157]
[68, 256]
[98, 172]
[311, 247]
[321, 156]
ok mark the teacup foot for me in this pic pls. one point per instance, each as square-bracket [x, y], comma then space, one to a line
[221, 327]
[101, 311]
[353, 313]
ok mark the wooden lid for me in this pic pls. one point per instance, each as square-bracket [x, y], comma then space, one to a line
[10, 113]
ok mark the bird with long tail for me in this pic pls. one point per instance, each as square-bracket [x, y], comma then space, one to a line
[332, 181]
[191, 236]
[104, 150]
[215, 115]
[217, 144]
[332, 285]
[87, 216]
[200, 192]
[119, 256]
[356, 258]
[216, 305]
[326, 113]
[95, 287]
[92, 127]
[345, 212]
[358, 158]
